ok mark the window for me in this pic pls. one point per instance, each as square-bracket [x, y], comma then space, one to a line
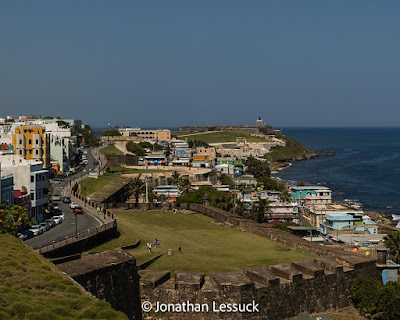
[32, 179]
[20, 151]
[37, 151]
[30, 141]
[37, 141]
[32, 196]
[20, 141]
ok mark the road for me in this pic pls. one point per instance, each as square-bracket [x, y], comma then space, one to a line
[72, 224]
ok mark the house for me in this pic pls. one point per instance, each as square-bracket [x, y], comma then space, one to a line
[245, 180]
[315, 213]
[155, 160]
[305, 195]
[155, 135]
[347, 222]
[171, 192]
[182, 157]
[283, 211]
[270, 195]
[204, 158]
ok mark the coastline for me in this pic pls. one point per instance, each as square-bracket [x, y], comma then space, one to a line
[383, 220]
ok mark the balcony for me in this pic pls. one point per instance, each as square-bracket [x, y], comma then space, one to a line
[40, 202]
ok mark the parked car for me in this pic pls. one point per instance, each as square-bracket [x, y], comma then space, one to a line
[56, 197]
[57, 181]
[57, 219]
[45, 226]
[22, 236]
[36, 229]
[78, 209]
[67, 200]
[28, 234]
[61, 215]
[74, 205]
[96, 163]
[51, 222]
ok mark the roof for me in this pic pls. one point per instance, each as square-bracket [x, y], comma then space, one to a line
[301, 228]
[311, 187]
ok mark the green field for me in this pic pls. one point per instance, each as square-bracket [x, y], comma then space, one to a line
[111, 150]
[132, 170]
[218, 137]
[206, 245]
[90, 185]
[33, 288]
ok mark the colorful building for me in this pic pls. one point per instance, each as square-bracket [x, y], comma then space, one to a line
[32, 143]
[305, 195]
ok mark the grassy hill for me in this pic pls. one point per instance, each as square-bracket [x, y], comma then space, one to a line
[293, 151]
[33, 288]
[218, 136]
[206, 245]
[111, 150]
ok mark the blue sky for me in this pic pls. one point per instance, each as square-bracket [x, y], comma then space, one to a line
[166, 63]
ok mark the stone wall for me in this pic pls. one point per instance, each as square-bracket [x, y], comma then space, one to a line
[83, 242]
[282, 291]
[110, 276]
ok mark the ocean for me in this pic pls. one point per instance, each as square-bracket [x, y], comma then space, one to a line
[365, 167]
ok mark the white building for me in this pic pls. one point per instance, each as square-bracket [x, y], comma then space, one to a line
[29, 175]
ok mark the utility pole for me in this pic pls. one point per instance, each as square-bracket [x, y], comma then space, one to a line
[147, 191]
[76, 225]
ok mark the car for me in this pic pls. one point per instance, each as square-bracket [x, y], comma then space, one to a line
[57, 219]
[96, 163]
[28, 234]
[67, 200]
[22, 236]
[74, 205]
[61, 215]
[56, 197]
[78, 209]
[51, 222]
[57, 181]
[36, 229]
[45, 226]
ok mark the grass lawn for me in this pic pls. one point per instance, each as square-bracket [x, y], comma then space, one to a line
[111, 150]
[90, 185]
[33, 288]
[132, 170]
[218, 137]
[206, 246]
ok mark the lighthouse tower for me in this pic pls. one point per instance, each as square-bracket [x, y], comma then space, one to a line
[259, 122]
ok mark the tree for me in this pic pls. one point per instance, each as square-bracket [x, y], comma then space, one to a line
[135, 148]
[226, 180]
[197, 143]
[136, 188]
[13, 219]
[258, 210]
[112, 133]
[392, 242]
[285, 196]
[257, 167]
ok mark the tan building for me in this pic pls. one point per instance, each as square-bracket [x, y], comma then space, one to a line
[156, 135]
[32, 143]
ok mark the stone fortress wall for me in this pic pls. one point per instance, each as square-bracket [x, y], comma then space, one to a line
[282, 291]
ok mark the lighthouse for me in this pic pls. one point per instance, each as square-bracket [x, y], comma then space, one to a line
[259, 122]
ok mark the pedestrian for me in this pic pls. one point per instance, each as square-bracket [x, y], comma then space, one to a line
[149, 247]
[180, 250]
[155, 242]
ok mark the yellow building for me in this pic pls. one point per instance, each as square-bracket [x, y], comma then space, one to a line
[32, 143]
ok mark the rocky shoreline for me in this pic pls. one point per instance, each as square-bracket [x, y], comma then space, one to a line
[383, 221]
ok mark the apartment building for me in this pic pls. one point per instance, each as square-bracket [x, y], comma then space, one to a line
[29, 178]
[163, 135]
[32, 143]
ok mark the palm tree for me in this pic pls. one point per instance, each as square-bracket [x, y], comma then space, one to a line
[285, 196]
[258, 210]
[136, 187]
[175, 177]
[392, 241]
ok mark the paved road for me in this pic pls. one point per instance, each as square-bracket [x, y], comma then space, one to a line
[67, 228]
